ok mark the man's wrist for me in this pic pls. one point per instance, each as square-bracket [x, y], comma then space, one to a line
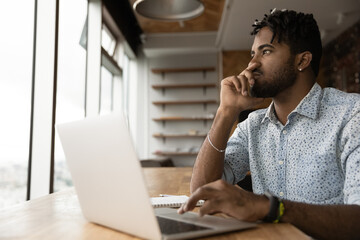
[228, 112]
[276, 209]
[263, 207]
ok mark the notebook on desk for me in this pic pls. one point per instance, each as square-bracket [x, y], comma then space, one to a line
[110, 186]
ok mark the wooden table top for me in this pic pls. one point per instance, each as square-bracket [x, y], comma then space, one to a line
[58, 215]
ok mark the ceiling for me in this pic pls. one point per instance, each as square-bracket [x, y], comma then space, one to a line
[226, 24]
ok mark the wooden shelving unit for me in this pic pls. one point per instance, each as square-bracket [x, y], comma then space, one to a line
[166, 100]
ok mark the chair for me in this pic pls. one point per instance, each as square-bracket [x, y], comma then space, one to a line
[158, 162]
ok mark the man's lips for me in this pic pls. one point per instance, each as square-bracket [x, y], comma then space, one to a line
[256, 74]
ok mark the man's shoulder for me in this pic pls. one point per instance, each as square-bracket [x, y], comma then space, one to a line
[258, 115]
[333, 97]
[254, 119]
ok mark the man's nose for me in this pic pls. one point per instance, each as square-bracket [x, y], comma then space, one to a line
[253, 64]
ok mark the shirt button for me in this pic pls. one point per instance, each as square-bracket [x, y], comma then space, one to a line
[281, 194]
[284, 132]
[281, 162]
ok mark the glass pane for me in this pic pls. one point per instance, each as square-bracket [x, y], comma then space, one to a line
[107, 40]
[16, 53]
[71, 78]
[106, 91]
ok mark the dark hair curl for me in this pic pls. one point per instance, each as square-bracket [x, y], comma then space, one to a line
[298, 30]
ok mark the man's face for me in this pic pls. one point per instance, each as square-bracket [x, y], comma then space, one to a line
[277, 70]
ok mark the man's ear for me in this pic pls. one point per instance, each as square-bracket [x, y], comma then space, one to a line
[303, 60]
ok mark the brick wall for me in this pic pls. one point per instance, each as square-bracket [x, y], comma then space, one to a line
[341, 61]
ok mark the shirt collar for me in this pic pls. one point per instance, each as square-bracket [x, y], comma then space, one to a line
[270, 114]
[308, 107]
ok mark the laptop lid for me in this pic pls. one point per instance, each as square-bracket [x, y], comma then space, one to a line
[107, 175]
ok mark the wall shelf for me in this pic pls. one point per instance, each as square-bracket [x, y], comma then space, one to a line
[175, 136]
[183, 118]
[180, 70]
[204, 86]
[184, 102]
[161, 153]
[165, 119]
[160, 135]
[177, 86]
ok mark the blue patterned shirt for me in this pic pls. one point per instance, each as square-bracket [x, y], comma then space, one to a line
[313, 158]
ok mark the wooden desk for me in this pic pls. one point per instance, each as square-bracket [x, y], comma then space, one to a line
[58, 215]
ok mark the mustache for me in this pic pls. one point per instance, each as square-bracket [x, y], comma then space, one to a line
[257, 70]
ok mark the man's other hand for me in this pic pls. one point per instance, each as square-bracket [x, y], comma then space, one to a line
[221, 197]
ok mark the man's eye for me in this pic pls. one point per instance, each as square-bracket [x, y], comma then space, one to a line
[266, 52]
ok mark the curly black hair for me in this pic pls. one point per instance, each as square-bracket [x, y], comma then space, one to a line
[298, 30]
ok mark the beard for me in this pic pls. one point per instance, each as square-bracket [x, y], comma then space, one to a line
[281, 79]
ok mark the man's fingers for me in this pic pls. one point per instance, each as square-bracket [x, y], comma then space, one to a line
[208, 208]
[248, 72]
[246, 78]
[201, 193]
[252, 66]
[181, 209]
[249, 77]
[234, 82]
[244, 85]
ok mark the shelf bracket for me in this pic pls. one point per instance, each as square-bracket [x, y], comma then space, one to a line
[204, 91]
[163, 91]
[164, 123]
[204, 74]
[163, 75]
[164, 140]
[205, 123]
[205, 106]
[163, 107]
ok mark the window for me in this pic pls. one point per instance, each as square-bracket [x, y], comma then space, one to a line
[71, 76]
[106, 96]
[108, 41]
[16, 55]
[16, 78]
[71, 79]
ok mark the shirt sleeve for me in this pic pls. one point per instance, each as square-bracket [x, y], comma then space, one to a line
[350, 158]
[236, 163]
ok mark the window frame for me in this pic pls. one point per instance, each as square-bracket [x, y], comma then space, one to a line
[41, 161]
[43, 99]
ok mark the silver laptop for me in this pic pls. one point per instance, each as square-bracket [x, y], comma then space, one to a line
[110, 186]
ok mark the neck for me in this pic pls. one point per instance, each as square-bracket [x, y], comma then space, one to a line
[286, 101]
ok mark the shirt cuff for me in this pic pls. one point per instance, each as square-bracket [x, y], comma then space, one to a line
[228, 174]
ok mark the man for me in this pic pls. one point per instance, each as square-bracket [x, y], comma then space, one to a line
[303, 151]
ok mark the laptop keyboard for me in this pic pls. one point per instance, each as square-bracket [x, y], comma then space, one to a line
[169, 226]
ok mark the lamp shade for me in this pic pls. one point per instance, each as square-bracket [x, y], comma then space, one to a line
[169, 10]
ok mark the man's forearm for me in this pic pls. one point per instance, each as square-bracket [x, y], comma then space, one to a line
[209, 163]
[324, 221]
